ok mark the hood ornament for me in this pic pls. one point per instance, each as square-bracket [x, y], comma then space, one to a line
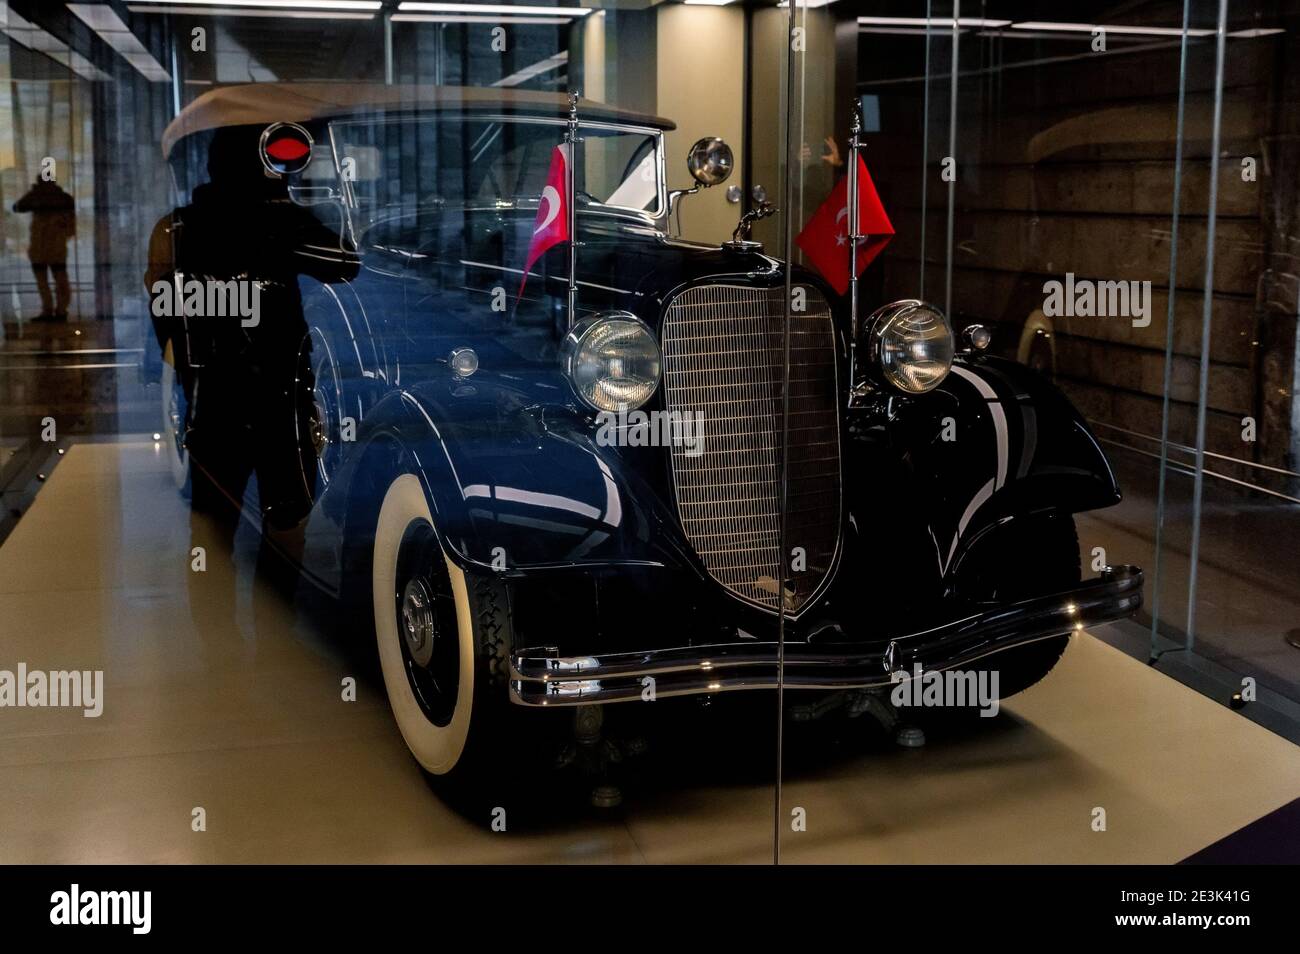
[740, 240]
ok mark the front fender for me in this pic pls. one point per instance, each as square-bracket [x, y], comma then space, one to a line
[995, 441]
[516, 486]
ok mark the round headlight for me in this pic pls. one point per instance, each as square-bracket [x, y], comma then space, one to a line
[612, 361]
[911, 345]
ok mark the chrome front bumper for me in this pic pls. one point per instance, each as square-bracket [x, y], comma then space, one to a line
[541, 677]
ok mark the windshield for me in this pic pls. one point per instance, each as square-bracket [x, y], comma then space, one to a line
[457, 162]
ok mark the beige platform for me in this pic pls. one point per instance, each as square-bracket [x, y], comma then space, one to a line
[234, 705]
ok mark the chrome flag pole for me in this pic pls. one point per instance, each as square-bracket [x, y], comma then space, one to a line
[571, 203]
[855, 143]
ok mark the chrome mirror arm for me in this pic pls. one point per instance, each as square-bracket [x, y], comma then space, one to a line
[675, 194]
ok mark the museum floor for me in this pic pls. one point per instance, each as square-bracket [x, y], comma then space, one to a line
[235, 706]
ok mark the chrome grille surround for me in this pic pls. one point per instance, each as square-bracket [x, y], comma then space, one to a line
[723, 350]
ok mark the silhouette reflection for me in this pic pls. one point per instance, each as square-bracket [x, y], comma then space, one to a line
[54, 222]
[240, 377]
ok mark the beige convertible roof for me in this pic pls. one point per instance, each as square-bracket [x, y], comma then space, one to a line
[253, 104]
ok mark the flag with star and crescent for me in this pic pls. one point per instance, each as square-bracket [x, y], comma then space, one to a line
[825, 239]
[552, 224]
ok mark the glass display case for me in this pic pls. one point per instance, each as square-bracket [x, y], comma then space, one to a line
[704, 431]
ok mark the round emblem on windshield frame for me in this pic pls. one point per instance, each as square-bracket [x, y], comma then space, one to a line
[285, 149]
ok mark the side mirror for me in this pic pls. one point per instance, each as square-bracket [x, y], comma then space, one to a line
[710, 161]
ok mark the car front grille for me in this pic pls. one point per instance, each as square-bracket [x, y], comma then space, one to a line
[723, 352]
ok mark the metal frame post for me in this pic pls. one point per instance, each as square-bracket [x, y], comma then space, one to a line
[571, 203]
[855, 144]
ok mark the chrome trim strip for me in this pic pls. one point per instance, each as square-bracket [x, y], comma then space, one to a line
[540, 677]
[520, 271]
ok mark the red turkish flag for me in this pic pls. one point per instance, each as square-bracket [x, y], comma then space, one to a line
[552, 225]
[825, 239]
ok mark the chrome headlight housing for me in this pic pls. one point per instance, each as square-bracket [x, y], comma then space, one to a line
[909, 344]
[612, 361]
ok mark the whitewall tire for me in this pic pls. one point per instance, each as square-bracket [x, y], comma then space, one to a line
[439, 742]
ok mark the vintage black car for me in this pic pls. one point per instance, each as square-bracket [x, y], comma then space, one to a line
[515, 491]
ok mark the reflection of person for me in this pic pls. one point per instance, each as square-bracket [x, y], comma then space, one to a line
[247, 384]
[53, 223]
[820, 175]
[241, 226]
[830, 153]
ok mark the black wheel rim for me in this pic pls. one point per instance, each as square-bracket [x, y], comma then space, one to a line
[176, 416]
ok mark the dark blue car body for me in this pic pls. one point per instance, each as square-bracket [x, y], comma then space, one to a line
[586, 541]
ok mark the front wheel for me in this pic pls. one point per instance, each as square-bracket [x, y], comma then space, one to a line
[442, 637]
[1031, 556]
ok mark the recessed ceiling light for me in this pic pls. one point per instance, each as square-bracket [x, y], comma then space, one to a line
[276, 4]
[34, 38]
[469, 18]
[408, 6]
[108, 26]
[216, 10]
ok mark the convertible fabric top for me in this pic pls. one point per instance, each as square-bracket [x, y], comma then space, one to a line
[257, 104]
